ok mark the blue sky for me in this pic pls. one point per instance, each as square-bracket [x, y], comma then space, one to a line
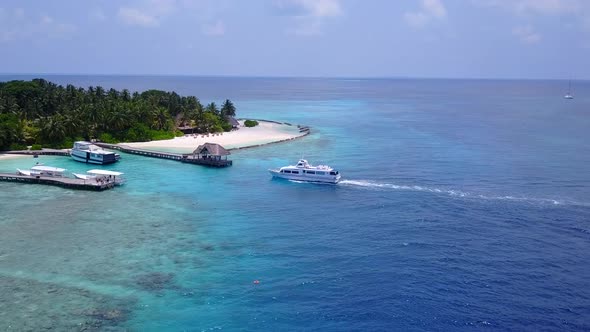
[338, 38]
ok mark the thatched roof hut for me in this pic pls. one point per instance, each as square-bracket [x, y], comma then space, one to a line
[178, 119]
[233, 122]
[211, 149]
[209, 154]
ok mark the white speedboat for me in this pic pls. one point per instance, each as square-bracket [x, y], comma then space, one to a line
[101, 176]
[303, 171]
[87, 152]
[41, 170]
[23, 172]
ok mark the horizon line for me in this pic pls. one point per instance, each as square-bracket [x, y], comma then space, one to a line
[303, 77]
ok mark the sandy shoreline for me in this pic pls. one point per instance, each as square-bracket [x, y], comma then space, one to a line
[264, 133]
[13, 156]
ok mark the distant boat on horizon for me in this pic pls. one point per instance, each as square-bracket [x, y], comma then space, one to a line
[569, 95]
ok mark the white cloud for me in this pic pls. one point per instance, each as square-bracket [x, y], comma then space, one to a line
[149, 14]
[155, 13]
[97, 14]
[576, 14]
[430, 10]
[417, 19]
[62, 31]
[19, 13]
[309, 15]
[163, 6]
[215, 29]
[309, 8]
[527, 34]
[321, 8]
[435, 8]
[306, 27]
[18, 27]
[546, 7]
[133, 16]
[45, 19]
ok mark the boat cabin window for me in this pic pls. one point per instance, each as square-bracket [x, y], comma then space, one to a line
[287, 171]
[334, 173]
[309, 172]
[295, 172]
[320, 173]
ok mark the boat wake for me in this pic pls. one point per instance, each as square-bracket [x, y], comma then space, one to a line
[459, 194]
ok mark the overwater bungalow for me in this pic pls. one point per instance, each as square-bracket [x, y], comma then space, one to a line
[210, 154]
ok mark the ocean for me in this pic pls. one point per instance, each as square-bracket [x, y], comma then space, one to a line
[464, 205]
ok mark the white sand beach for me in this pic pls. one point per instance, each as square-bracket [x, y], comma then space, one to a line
[12, 156]
[264, 133]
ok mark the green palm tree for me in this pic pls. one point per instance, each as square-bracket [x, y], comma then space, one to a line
[116, 119]
[71, 124]
[161, 118]
[211, 107]
[228, 109]
[53, 129]
[125, 95]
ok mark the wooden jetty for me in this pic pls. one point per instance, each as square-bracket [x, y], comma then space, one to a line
[198, 159]
[43, 152]
[57, 181]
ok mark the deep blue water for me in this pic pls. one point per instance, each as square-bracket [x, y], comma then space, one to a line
[465, 205]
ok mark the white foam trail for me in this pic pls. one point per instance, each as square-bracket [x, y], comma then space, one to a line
[457, 193]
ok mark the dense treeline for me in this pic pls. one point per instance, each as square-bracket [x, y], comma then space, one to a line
[41, 112]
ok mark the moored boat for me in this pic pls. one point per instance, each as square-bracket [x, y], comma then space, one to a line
[101, 176]
[304, 171]
[23, 172]
[87, 152]
[42, 170]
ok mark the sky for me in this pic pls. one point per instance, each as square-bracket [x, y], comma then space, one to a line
[546, 39]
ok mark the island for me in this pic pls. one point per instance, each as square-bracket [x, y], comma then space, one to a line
[40, 114]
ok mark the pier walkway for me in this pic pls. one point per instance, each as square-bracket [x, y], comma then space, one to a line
[43, 152]
[57, 181]
[185, 158]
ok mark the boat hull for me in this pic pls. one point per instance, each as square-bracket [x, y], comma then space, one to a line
[85, 157]
[83, 176]
[23, 172]
[306, 177]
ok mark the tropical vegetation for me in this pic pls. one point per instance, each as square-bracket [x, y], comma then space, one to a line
[39, 112]
[250, 123]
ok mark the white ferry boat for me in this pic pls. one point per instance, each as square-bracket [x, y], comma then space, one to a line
[87, 152]
[303, 171]
[41, 170]
[101, 176]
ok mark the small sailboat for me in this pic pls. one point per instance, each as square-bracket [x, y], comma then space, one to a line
[569, 95]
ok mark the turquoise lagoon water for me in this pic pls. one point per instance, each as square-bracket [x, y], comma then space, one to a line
[465, 205]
